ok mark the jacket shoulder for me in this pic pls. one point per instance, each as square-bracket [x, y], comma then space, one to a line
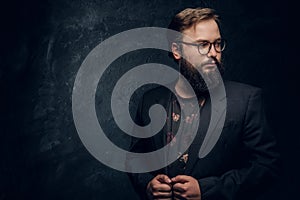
[238, 90]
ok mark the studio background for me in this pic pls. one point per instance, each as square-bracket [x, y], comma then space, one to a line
[43, 44]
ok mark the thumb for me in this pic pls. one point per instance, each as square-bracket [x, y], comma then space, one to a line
[163, 178]
[180, 179]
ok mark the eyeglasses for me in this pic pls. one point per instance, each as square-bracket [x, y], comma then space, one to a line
[205, 46]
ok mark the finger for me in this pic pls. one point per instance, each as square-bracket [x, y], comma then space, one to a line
[163, 178]
[162, 195]
[180, 179]
[179, 187]
[162, 187]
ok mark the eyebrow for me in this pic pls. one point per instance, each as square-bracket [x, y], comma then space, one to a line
[200, 40]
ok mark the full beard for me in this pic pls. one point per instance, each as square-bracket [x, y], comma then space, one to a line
[204, 81]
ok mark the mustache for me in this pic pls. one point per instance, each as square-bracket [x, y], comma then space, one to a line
[183, 64]
[213, 61]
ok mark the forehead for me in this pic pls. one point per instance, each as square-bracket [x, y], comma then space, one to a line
[204, 30]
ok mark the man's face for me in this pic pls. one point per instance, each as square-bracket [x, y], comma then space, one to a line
[205, 31]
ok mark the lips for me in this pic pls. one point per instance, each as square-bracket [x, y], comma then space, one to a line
[209, 66]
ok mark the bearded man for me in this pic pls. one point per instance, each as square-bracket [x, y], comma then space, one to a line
[244, 161]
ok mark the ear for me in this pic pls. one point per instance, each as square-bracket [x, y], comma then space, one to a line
[176, 50]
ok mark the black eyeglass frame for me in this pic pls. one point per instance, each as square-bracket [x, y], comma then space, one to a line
[198, 45]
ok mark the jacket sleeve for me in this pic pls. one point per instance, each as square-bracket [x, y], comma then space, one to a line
[262, 160]
[140, 180]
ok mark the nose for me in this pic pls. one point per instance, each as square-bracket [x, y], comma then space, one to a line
[212, 52]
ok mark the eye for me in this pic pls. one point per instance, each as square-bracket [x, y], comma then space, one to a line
[218, 43]
[204, 44]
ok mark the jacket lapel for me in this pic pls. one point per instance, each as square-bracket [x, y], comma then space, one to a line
[211, 120]
[196, 144]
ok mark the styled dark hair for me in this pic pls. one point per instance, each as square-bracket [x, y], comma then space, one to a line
[190, 17]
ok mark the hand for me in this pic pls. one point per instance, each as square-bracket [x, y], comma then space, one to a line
[160, 187]
[186, 187]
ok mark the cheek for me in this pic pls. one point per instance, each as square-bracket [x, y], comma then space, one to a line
[190, 54]
[197, 60]
[219, 56]
[193, 57]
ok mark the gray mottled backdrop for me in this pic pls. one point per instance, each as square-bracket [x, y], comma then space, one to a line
[43, 44]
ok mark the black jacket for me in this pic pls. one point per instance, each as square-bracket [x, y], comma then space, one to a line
[243, 162]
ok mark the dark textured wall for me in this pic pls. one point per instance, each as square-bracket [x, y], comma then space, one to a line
[43, 44]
